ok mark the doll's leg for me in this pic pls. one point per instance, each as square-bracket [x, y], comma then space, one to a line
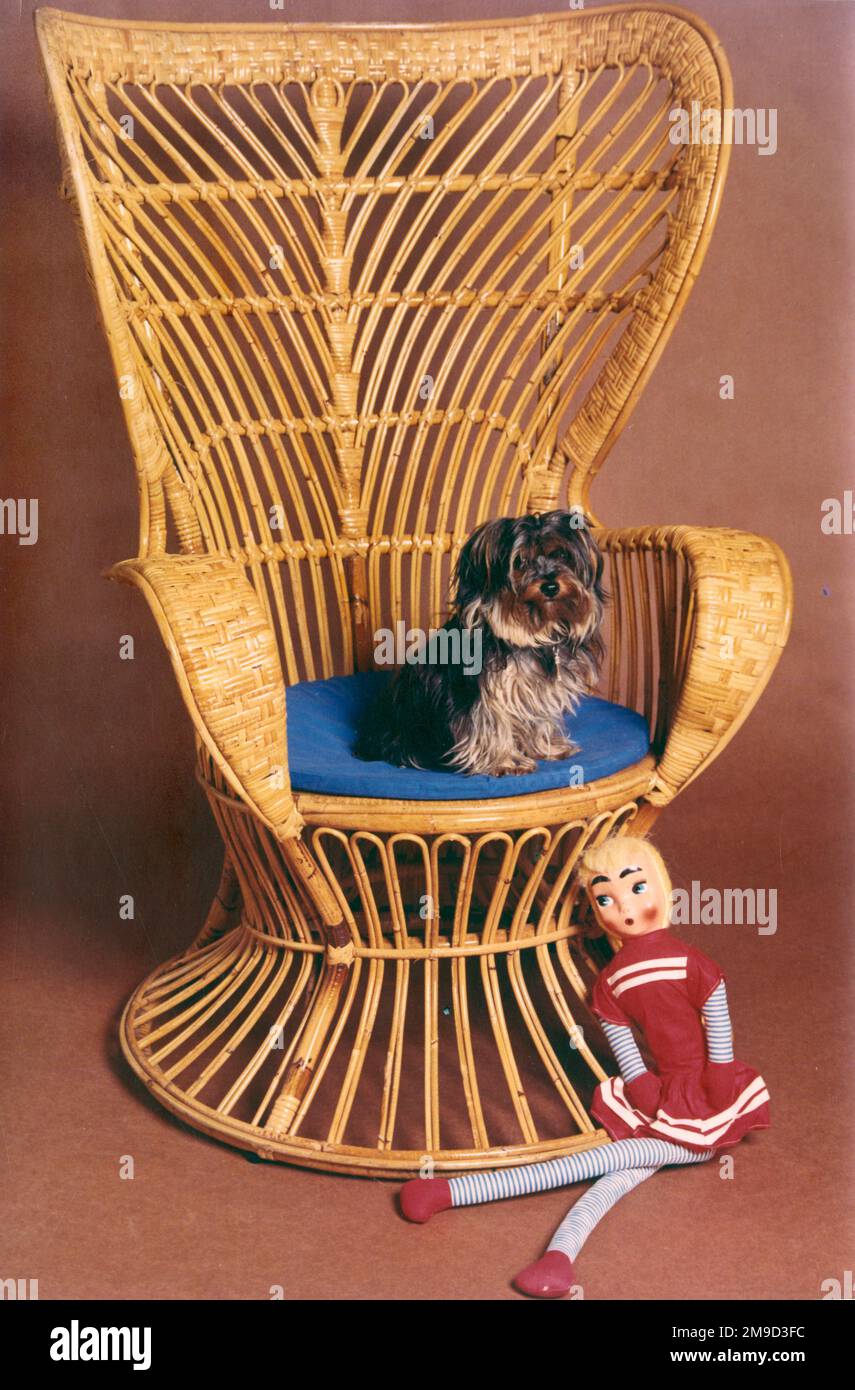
[592, 1206]
[553, 1274]
[423, 1197]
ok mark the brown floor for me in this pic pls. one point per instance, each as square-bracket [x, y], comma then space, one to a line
[199, 1220]
[99, 799]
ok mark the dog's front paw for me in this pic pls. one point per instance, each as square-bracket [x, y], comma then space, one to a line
[513, 767]
[563, 748]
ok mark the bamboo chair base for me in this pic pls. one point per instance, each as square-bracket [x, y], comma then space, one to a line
[443, 1028]
[311, 1153]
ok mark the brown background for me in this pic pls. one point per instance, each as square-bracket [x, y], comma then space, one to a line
[97, 757]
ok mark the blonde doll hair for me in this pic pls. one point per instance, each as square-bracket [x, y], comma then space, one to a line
[617, 853]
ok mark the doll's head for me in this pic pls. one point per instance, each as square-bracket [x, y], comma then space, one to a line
[628, 886]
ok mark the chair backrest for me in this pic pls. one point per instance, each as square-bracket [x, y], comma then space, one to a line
[367, 286]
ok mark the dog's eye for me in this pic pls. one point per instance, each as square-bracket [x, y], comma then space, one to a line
[518, 562]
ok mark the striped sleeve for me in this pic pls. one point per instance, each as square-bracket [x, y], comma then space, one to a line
[625, 1048]
[719, 1030]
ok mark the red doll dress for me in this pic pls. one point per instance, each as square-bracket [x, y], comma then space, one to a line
[660, 984]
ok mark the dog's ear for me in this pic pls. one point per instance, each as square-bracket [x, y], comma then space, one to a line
[580, 527]
[482, 566]
[597, 564]
[595, 560]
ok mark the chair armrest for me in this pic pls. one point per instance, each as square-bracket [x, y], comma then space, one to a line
[724, 646]
[224, 654]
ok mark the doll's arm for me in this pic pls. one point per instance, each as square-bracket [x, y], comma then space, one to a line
[625, 1048]
[719, 1030]
[718, 1073]
[642, 1087]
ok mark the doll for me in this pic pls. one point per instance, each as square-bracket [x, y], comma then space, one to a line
[697, 1100]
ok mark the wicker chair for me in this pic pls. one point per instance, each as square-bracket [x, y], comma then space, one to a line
[364, 287]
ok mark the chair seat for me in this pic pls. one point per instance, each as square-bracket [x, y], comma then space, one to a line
[322, 721]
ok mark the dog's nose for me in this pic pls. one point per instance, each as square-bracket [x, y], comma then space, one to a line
[549, 588]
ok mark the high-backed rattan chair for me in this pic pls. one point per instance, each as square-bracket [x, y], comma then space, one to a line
[365, 286]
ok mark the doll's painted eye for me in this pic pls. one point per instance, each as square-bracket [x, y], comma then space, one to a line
[640, 887]
[603, 900]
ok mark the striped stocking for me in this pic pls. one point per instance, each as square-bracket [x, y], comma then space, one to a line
[562, 1172]
[592, 1206]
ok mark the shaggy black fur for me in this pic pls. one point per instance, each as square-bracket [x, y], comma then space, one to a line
[531, 588]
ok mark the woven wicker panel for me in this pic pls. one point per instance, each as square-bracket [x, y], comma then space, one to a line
[366, 287]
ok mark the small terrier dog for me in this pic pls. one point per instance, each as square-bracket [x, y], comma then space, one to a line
[531, 587]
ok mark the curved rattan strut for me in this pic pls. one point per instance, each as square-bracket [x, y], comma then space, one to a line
[365, 286]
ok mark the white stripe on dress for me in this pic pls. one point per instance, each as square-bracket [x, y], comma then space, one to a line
[648, 979]
[646, 964]
[683, 1129]
[681, 1134]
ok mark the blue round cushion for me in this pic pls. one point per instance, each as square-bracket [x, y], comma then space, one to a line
[322, 720]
